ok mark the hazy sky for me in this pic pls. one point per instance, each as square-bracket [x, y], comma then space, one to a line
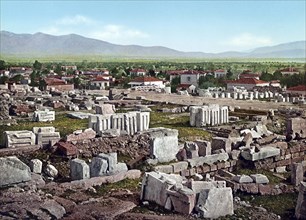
[207, 26]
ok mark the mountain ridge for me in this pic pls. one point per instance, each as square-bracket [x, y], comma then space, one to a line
[46, 44]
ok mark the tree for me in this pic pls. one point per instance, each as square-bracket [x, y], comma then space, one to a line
[37, 65]
[229, 74]
[4, 79]
[2, 65]
[17, 78]
[152, 73]
[174, 83]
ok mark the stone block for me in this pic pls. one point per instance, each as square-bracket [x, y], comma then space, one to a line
[262, 130]
[66, 149]
[179, 166]
[183, 200]
[111, 159]
[85, 135]
[242, 179]
[163, 144]
[105, 109]
[98, 167]
[198, 186]
[297, 173]
[43, 116]
[265, 152]
[204, 147]
[192, 149]
[208, 198]
[120, 167]
[154, 186]
[13, 171]
[19, 138]
[260, 178]
[36, 166]
[281, 169]
[300, 209]
[209, 159]
[221, 143]
[164, 168]
[79, 170]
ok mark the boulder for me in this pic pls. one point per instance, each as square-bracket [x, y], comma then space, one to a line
[51, 171]
[13, 171]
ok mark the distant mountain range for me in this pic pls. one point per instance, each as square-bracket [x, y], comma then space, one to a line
[72, 44]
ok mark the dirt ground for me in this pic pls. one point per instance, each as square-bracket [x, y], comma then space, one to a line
[197, 100]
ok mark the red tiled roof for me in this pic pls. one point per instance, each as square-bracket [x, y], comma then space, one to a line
[220, 70]
[54, 81]
[298, 88]
[145, 79]
[184, 86]
[99, 78]
[248, 75]
[247, 81]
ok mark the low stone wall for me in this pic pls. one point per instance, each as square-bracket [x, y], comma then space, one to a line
[97, 181]
[293, 152]
[183, 168]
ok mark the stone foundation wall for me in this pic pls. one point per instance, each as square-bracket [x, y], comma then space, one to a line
[293, 152]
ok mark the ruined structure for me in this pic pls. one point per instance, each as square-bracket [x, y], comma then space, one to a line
[131, 122]
[173, 192]
[208, 115]
[45, 115]
[18, 138]
[46, 136]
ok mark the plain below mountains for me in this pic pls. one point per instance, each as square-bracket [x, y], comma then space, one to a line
[72, 44]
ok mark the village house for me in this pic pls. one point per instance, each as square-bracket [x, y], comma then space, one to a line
[247, 83]
[297, 90]
[100, 82]
[147, 81]
[289, 71]
[220, 73]
[138, 72]
[58, 84]
[69, 68]
[187, 77]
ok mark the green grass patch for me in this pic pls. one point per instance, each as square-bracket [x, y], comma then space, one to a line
[130, 184]
[179, 122]
[62, 123]
[282, 205]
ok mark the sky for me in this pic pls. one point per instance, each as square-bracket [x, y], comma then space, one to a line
[206, 26]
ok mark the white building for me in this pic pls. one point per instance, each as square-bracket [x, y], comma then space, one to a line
[220, 73]
[289, 71]
[147, 81]
[138, 72]
[99, 82]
